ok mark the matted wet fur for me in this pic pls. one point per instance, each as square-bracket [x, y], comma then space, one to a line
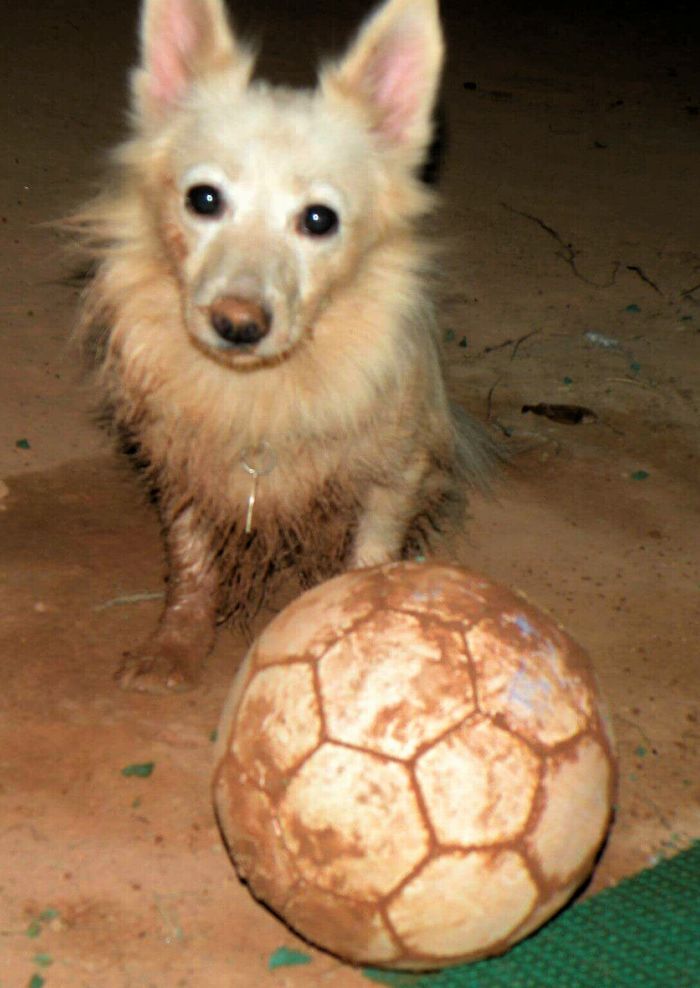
[259, 305]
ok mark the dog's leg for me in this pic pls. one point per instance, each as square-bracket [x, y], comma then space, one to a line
[386, 515]
[171, 659]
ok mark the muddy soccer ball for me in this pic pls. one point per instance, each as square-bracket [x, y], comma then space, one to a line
[413, 766]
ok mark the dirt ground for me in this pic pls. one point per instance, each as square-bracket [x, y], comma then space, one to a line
[574, 277]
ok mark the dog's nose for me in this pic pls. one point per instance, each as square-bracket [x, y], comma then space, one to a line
[239, 321]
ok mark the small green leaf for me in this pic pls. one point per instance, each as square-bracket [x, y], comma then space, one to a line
[48, 914]
[23, 444]
[213, 735]
[639, 475]
[36, 981]
[43, 960]
[568, 380]
[632, 308]
[140, 769]
[286, 957]
[34, 929]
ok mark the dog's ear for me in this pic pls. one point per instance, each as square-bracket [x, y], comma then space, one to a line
[181, 41]
[393, 70]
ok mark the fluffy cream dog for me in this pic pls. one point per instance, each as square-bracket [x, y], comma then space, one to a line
[260, 318]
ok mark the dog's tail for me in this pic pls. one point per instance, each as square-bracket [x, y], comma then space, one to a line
[477, 453]
[471, 466]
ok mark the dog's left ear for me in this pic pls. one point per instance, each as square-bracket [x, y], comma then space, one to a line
[393, 70]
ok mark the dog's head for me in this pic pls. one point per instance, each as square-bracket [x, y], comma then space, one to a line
[266, 202]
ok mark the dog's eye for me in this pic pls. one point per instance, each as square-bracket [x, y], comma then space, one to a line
[205, 200]
[318, 221]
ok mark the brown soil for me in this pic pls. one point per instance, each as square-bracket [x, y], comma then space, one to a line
[574, 279]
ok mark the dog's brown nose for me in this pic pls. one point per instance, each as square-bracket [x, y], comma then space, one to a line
[239, 321]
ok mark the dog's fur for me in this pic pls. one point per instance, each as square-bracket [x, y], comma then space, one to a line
[331, 362]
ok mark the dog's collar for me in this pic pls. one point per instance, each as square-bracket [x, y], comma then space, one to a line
[257, 461]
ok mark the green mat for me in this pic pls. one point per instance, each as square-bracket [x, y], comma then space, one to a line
[644, 933]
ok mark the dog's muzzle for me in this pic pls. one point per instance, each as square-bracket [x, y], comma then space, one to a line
[239, 322]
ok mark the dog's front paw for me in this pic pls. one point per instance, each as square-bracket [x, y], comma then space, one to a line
[371, 554]
[159, 667]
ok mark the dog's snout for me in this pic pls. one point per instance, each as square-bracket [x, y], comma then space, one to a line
[238, 321]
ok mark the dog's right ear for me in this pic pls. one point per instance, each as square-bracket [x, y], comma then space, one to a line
[182, 41]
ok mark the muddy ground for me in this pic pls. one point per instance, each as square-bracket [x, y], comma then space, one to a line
[571, 176]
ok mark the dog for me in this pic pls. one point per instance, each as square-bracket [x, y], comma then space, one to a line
[260, 317]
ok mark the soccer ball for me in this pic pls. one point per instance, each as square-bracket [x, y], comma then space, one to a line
[414, 766]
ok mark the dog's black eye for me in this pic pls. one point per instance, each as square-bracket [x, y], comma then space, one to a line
[318, 221]
[205, 200]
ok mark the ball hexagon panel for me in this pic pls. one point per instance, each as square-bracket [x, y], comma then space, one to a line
[524, 675]
[445, 597]
[478, 784]
[297, 631]
[484, 896]
[576, 807]
[355, 929]
[385, 687]
[365, 834]
[550, 905]
[279, 722]
[253, 835]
